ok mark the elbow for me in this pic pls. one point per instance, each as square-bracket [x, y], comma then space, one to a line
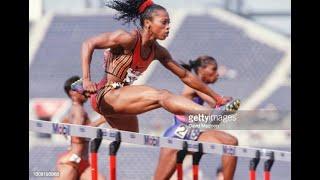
[187, 79]
[87, 45]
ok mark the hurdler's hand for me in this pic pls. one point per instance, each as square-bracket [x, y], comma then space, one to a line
[89, 86]
[223, 100]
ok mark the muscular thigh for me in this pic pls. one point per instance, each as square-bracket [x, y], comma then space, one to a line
[66, 172]
[124, 122]
[166, 163]
[86, 175]
[128, 98]
[216, 136]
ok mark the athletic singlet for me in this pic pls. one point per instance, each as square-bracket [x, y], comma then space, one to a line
[198, 100]
[127, 67]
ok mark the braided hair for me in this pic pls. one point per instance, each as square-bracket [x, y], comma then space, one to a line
[201, 61]
[132, 10]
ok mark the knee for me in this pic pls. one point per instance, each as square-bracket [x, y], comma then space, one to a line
[164, 94]
[231, 141]
[171, 152]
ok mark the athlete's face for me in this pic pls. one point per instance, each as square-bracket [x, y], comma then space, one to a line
[209, 73]
[75, 96]
[159, 25]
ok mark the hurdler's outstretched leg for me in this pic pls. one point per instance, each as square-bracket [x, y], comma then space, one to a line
[140, 99]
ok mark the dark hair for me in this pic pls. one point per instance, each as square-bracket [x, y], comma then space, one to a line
[128, 10]
[68, 82]
[201, 61]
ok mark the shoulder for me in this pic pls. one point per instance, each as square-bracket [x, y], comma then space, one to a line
[161, 53]
[127, 39]
[159, 47]
[123, 33]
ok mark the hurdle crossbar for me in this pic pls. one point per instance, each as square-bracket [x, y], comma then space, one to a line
[154, 141]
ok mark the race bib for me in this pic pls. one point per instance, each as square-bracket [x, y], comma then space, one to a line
[131, 76]
[181, 131]
[185, 132]
[194, 134]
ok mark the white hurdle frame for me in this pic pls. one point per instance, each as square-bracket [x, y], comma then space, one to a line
[154, 141]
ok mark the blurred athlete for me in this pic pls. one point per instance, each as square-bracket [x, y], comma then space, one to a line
[206, 68]
[74, 164]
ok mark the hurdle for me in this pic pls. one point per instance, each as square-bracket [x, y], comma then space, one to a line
[179, 161]
[267, 166]
[113, 149]
[253, 166]
[199, 148]
[196, 157]
[94, 147]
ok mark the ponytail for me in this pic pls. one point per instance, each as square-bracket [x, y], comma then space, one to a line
[192, 65]
[131, 10]
[199, 62]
